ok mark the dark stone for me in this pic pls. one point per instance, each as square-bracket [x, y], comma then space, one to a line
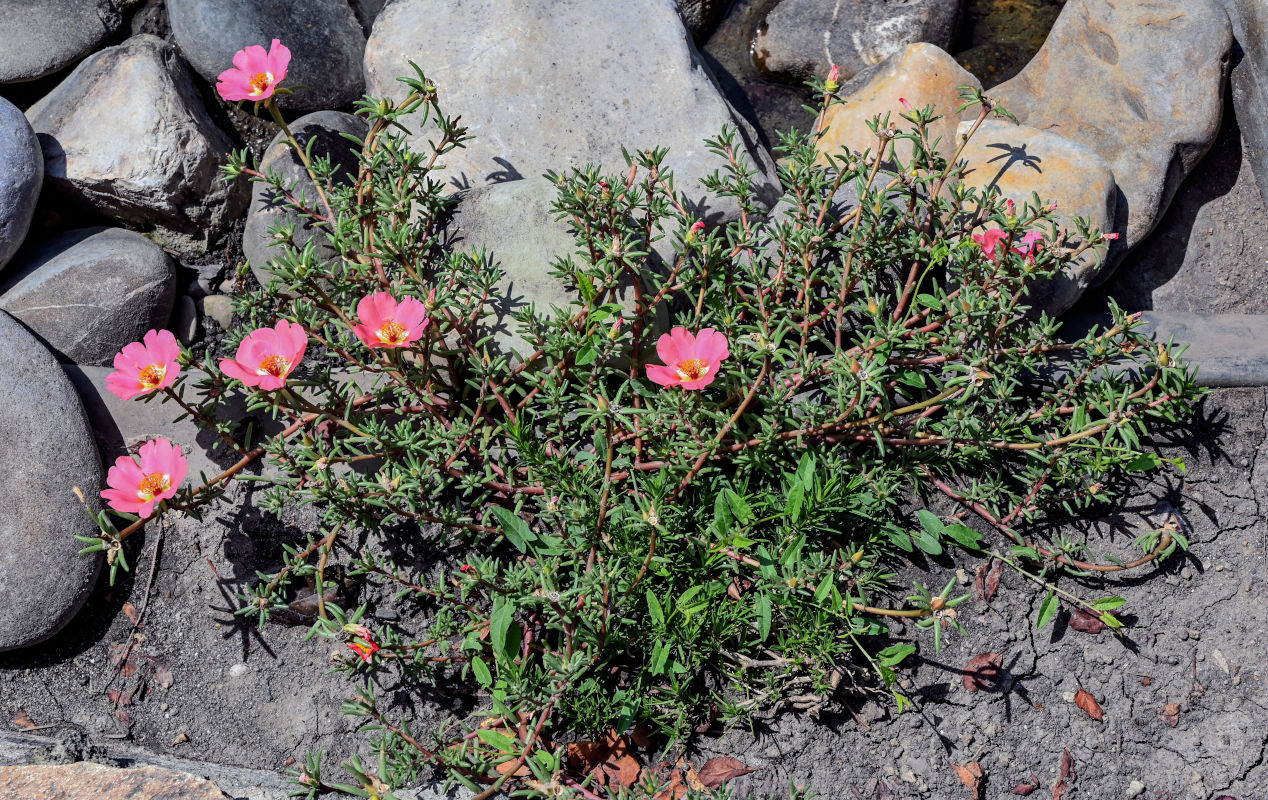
[48, 450]
[325, 39]
[89, 292]
[40, 37]
[21, 175]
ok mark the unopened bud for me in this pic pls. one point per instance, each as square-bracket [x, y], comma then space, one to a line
[903, 101]
[1164, 355]
[833, 80]
[694, 232]
[857, 557]
[615, 330]
[938, 603]
[872, 308]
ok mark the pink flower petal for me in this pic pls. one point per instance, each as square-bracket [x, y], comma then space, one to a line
[665, 376]
[368, 311]
[279, 60]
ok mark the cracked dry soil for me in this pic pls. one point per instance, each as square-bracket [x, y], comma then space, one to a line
[1185, 706]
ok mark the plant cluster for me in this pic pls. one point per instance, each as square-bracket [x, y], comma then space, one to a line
[663, 525]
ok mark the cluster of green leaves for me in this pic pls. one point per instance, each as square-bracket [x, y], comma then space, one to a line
[633, 555]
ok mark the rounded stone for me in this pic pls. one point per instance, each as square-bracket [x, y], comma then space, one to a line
[89, 292]
[21, 174]
[126, 134]
[267, 208]
[48, 451]
[39, 37]
[325, 39]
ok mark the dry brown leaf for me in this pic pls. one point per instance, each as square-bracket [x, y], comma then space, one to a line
[184, 737]
[1025, 789]
[1067, 766]
[1080, 620]
[717, 771]
[971, 775]
[1171, 713]
[23, 720]
[623, 771]
[1058, 789]
[988, 576]
[693, 779]
[983, 671]
[163, 675]
[1084, 700]
[132, 613]
[506, 766]
[676, 789]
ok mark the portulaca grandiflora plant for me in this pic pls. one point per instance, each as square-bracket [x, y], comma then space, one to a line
[663, 526]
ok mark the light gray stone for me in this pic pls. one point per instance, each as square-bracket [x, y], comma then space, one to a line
[800, 39]
[89, 292]
[218, 307]
[21, 175]
[39, 37]
[267, 208]
[48, 450]
[1140, 83]
[1021, 161]
[548, 86]
[513, 222]
[127, 135]
[324, 38]
[185, 320]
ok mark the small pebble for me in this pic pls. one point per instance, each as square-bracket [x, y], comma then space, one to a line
[185, 320]
[1068, 696]
[1219, 567]
[1135, 789]
[220, 308]
[989, 729]
[238, 670]
[1187, 574]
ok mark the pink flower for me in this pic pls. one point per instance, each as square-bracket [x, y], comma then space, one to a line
[387, 323]
[267, 356]
[1030, 244]
[144, 367]
[692, 361]
[905, 104]
[255, 74]
[1111, 236]
[989, 241]
[832, 82]
[136, 488]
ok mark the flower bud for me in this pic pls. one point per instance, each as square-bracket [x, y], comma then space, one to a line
[694, 233]
[615, 331]
[833, 81]
[938, 603]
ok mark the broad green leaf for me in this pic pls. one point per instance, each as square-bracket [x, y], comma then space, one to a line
[1143, 462]
[927, 541]
[498, 740]
[499, 623]
[653, 608]
[762, 607]
[964, 535]
[1107, 603]
[930, 521]
[900, 540]
[481, 671]
[893, 655]
[516, 529]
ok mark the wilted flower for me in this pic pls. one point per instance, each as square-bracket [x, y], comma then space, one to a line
[256, 73]
[387, 323]
[145, 366]
[989, 241]
[691, 360]
[267, 356]
[135, 488]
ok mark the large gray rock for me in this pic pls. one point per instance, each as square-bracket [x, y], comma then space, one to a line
[127, 135]
[513, 222]
[1250, 82]
[1149, 80]
[48, 450]
[267, 208]
[801, 39]
[89, 292]
[324, 37]
[1021, 161]
[556, 85]
[39, 37]
[701, 16]
[21, 175]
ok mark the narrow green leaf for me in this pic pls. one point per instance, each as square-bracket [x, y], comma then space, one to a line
[498, 740]
[1047, 609]
[653, 608]
[499, 623]
[762, 607]
[1107, 603]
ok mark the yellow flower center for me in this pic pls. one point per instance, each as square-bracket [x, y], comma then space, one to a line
[392, 332]
[692, 369]
[150, 377]
[259, 82]
[277, 366]
[153, 485]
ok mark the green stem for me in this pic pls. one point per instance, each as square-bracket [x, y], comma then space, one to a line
[276, 113]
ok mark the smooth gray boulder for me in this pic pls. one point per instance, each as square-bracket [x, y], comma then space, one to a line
[549, 86]
[324, 37]
[21, 175]
[513, 222]
[126, 134]
[89, 292]
[801, 39]
[1140, 83]
[1250, 82]
[267, 207]
[48, 450]
[39, 37]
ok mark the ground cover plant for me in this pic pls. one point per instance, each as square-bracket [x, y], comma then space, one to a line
[661, 526]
